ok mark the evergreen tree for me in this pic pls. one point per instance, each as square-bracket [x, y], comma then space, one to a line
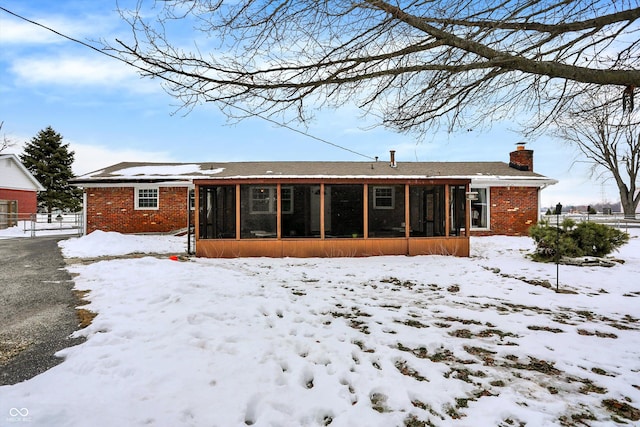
[49, 160]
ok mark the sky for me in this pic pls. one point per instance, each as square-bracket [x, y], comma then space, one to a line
[108, 114]
[373, 341]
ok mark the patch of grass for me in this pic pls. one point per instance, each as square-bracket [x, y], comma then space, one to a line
[462, 402]
[589, 387]
[441, 356]
[413, 421]
[622, 409]
[442, 325]
[577, 419]
[378, 402]
[414, 323]
[601, 371]
[81, 296]
[362, 347]
[85, 317]
[490, 332]
[597, 334]
[585, 313]
[538, 366]
[464, 374]
[485, 355]
[545, 328]
[404, 369]
[397, 282]
[461, 333]
[420, 352]
[451, 411]
[463, 321]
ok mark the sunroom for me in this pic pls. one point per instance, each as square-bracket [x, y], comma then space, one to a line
[331, 215]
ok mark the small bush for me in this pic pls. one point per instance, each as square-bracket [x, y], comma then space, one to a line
[575, 240]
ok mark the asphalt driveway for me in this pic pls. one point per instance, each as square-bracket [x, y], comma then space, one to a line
[37, 307]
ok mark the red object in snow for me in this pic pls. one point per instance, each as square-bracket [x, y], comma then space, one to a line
[173, 257]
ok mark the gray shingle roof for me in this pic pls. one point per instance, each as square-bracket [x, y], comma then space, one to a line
[150, 172]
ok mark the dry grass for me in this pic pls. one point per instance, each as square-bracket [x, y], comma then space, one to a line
[85, 317]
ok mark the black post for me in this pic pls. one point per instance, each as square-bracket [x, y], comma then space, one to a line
[558, 212]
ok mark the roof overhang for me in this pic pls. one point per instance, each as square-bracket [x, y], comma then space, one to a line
[25, 171]
[503, 181]
[113, 183]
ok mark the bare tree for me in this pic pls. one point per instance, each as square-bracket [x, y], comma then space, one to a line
[5, 143]
[413, 64]
[610, 140]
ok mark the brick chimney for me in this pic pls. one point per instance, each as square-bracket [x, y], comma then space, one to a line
[521, 159]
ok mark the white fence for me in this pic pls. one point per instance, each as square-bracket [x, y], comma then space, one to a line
[38, 224]
[616, 220]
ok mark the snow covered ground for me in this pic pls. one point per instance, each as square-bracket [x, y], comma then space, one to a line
[381, 341]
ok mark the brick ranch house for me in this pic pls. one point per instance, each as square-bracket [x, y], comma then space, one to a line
[18, 191]
[305, 209]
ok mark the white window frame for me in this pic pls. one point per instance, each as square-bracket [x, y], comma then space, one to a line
[271, 196]
[289, 190]
[376, 197]
[488, 207]
[192, 199]
[272, 199]
[137, 198]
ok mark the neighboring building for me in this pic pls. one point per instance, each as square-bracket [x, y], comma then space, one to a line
[18, 191]
[318, 208]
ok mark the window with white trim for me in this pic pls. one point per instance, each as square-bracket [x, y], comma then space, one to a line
[263, 200]
[192, 199]
[147, 198]
[383, 197]
[480, 208]
[286, 194]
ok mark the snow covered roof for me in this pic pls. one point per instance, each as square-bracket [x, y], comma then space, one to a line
[188, 172]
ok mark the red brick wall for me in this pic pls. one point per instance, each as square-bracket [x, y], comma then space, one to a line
[112, 209]
[513, 210]
[27, 201]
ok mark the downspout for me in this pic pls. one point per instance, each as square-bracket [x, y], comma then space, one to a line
[189, 219]
[84, 212]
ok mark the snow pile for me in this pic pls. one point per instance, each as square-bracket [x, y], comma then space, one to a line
[101, 243]
[381, 341]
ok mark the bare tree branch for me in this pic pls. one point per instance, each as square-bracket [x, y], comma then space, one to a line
[5, 143]
[414, 63]
[610, 141]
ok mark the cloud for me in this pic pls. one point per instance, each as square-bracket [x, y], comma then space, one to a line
[18, 32]
[67, 70]
[90, 158]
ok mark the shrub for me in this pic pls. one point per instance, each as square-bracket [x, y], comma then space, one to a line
[571, 240]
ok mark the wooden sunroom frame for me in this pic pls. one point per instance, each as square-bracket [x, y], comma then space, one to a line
[329, 246]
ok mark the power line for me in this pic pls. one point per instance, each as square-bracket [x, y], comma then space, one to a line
[85, 44]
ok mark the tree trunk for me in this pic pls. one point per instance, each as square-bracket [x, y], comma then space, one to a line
[628, 205]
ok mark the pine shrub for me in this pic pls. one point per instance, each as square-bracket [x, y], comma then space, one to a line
[575, 240]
